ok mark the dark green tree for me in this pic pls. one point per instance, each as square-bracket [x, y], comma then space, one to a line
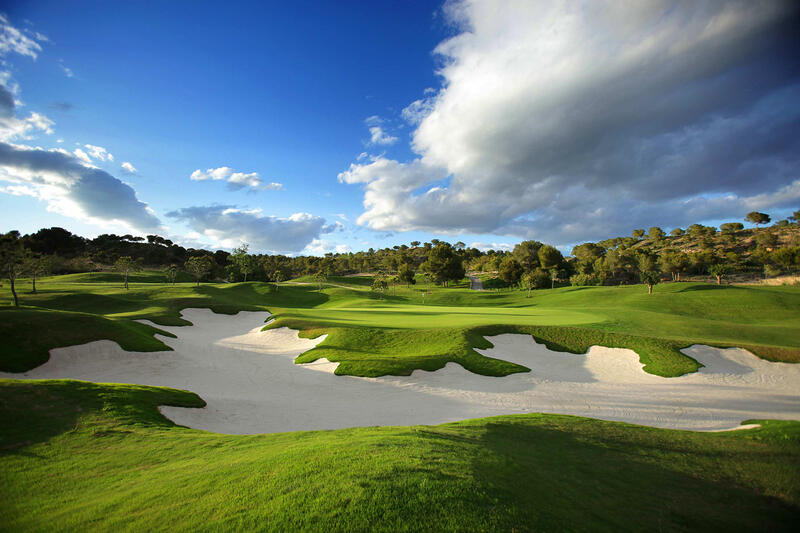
[719, 271]
[757, 218]
[655, 233]
[405, 273]
[527, 254]
[730, 227]
[650, 278]
[444, 264]
[549, 257]
[510, 270]
[13, 260]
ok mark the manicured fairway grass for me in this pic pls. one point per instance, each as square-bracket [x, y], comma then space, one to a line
[80, 456]
[403, 331]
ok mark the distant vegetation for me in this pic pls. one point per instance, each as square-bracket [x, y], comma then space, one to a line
[651, 256]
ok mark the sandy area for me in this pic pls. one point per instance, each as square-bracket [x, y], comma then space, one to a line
[251, 385]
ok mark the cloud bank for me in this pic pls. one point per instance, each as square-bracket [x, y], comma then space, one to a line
[228, 226]
[73, 189]
[566, 121]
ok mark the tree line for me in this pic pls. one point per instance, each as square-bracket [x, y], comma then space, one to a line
[645, 256]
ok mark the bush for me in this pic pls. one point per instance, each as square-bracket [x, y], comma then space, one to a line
[582, 280]
[541, 279]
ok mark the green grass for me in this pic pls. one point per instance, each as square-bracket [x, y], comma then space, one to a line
[81, 456]
[404, 331]
[29, 334]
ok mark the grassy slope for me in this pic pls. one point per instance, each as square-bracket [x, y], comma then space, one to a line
[28, 335]
[569, 319]
[83, 456]
[399, 333]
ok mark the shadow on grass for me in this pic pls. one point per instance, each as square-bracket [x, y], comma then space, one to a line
[710, 287]
[35, 411]
[568, 478]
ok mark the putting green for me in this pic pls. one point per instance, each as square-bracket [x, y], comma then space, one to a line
[423, 317]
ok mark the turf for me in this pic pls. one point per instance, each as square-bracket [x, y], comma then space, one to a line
[80, 456]
[404, 330]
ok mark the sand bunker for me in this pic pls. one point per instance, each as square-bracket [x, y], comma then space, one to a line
[251, 385]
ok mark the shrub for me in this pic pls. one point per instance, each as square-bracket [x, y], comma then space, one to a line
[581, 280]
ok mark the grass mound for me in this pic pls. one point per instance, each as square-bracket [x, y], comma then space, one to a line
[29, 334]
[101, 457]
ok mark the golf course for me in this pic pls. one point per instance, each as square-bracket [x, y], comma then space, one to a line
[128, 465]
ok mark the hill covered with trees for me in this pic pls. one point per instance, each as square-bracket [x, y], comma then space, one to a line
[730, 251]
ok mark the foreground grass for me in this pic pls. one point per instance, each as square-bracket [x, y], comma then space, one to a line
[83, 456]
[405, 330]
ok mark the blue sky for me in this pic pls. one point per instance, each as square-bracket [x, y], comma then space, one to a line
[313, 127]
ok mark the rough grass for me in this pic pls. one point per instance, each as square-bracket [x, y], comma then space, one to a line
[403, 331]
[79, 456]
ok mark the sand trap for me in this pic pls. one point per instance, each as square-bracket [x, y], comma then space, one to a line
[251, 385]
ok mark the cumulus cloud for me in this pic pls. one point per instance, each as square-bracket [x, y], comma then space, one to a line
[228, 226]
[83, 156]
[235, 180]
[11, 127]
[321, 247]
[13, 40]
[378, 136]
[98, 152]
[565, 121]
[128, 167]
[72, 188]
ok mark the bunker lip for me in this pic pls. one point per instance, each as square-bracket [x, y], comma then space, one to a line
[251, 385]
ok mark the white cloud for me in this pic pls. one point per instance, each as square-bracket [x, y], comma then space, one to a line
[128, 167]
[567, 121]
[235, 180]
[496, 246]
[11, 127]
[13, 40]
[417, 110]
[228, 226]
[83, 156]
[378, 136]
[321, 247]
[98, 152]
[67, 71]
[73, 189]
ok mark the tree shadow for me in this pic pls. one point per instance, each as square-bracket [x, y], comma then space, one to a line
[34, 411]
[710, 287]
[543, 475]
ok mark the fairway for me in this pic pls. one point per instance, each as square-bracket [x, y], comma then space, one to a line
[406, 316]
[396, 333]
[118, 452]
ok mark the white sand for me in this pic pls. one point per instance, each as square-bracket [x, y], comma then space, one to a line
[251, 385]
